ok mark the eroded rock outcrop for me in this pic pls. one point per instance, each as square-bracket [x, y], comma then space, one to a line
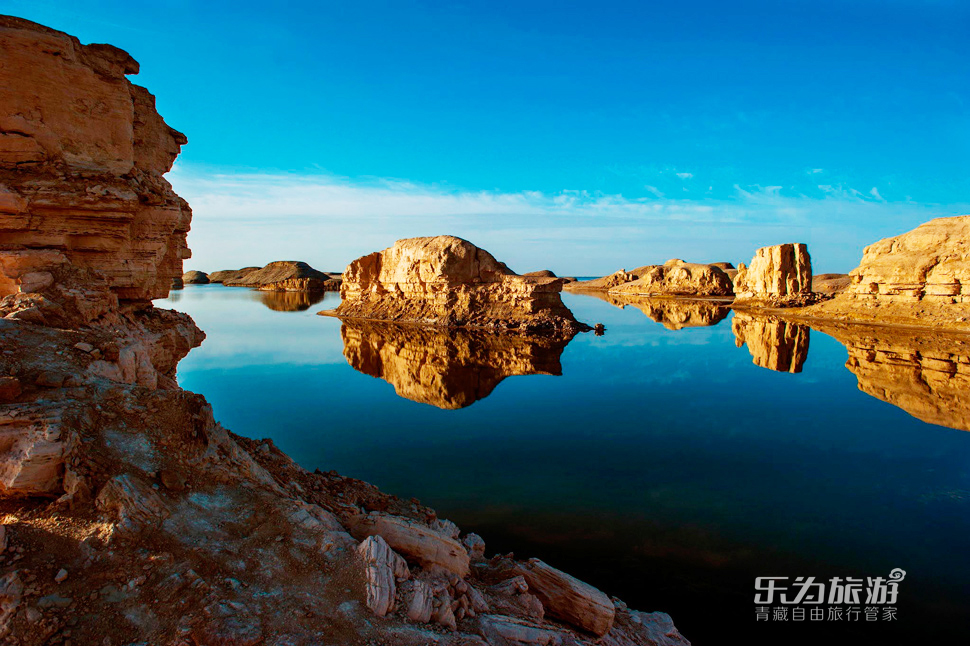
[779, 276]
[195, 277]
[446, 368]
[82, 154]
[284, 276]
[678, 278]
[449, 282]
[918, 278]
[774, 343]
[231, 275]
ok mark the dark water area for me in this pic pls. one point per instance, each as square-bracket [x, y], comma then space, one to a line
[660, 462]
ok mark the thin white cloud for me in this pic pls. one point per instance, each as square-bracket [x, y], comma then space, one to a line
[685, 175]
[252, 218]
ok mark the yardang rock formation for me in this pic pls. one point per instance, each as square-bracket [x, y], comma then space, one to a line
[449, 282]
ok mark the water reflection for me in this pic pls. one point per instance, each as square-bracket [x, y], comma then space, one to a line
[926, 375]
[445, 368]
[672, 313]
[773, 343]
[676, 314]
[290, 301]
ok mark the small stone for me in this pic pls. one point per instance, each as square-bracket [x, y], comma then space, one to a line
[34, 615]
[9, 389]
[50, 379]
[61, 575]
[84, 347]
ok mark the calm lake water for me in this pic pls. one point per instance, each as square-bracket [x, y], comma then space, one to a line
[662, 465]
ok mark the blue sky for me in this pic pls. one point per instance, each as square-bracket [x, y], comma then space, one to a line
[582, 137]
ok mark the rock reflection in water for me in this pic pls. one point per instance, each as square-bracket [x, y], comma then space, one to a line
[927, 374]
[773, 343]
[290, 301]
[677, 314]
[672, 313]
[447, 368]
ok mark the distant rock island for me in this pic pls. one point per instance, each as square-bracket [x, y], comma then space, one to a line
[278, 276]
[449, 282]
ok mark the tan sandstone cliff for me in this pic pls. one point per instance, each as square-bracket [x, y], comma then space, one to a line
[127, 514]
[82, 153]
[449, 282]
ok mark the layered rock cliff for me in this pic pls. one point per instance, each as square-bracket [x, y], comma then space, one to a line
[128, 514]
[82, 154]
[446, 368]
[449, 282]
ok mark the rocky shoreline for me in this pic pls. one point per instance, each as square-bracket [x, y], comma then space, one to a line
[129, 514]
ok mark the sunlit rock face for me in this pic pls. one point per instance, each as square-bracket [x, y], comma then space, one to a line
[931, 262]
[926, 375]
[777, 276]
[678, 278]
[290, 301]
[773, 343]
[449, 282]
[82, 153]
[446, 368]
[675, 313]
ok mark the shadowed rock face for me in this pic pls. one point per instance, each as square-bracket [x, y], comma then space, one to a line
[290, 301]
[82, 154]
[449, 282]
[773, 343]
[445, 368]
[926, 375]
